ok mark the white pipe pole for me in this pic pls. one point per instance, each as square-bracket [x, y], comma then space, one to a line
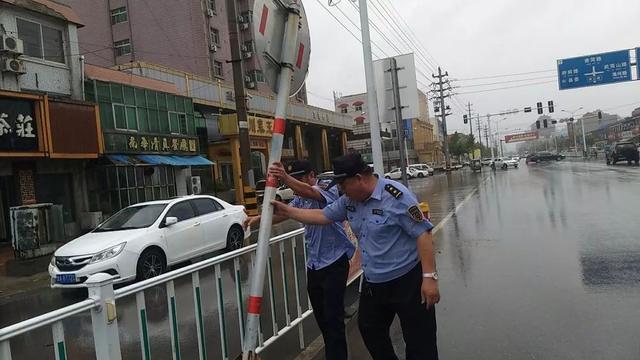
[262, 250]
[372, 100]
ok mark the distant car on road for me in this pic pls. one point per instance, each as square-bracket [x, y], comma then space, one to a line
[283, 193]
[476, 165]
[624, 151]
[544, 156]
[142, 240]
[511, 162]
[396, 174]
[486, 161]
[499, 163]
[422, 170]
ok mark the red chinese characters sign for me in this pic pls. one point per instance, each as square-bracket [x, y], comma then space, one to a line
[526, 136]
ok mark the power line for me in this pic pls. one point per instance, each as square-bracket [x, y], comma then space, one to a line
[505, 82]
[505, 75]
[509, 87]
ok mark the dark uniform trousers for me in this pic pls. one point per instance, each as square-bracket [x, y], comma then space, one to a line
[381, 302]
[326, 289]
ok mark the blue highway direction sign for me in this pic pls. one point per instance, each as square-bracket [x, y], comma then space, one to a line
[598, 69]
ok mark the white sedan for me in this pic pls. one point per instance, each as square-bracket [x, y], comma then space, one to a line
[142, 240]
[396, 174]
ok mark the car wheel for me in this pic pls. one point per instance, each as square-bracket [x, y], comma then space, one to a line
[387, 177]
[504, 166]
[420, 175]
[235, 238]
[151, 263]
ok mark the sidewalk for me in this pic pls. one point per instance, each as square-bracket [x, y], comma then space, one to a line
[18, 277]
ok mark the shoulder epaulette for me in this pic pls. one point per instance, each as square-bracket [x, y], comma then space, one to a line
[393, 191]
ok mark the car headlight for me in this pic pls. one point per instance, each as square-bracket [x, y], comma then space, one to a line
[108, 253]
[53, 261]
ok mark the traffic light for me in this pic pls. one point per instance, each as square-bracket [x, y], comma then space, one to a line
[545, 123]
[538, 124]
[527, 109]
[464, 117]
[539, 108]
[550, 103]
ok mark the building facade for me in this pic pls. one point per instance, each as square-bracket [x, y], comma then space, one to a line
[48, 134]
[194, 39]
[422, 146]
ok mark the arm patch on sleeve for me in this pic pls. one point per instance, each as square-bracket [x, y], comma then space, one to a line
[415, 213]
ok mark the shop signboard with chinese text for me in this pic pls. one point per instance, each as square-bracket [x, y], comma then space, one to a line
[18, 125]
[597, 69]
[116, 142]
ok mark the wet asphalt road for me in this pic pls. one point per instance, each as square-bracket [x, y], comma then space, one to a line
[542, 262]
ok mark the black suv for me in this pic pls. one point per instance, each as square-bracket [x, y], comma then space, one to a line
[544, 156]
[624, 150]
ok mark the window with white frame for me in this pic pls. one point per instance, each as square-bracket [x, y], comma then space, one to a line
[125, 117]
[122, 47]
[119, 15]
[359, 108]
[211, 5]
[217, 68]
[177, 123]
[215, 36]
[40, 41]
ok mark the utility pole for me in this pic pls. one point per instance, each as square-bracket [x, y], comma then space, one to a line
[248, 180]
[397, 107]
[470, 122]
[486, 137]
[372, 100]
[489, 131]
[442, 93]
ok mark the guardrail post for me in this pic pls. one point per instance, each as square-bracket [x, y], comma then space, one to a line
[5, 350]
[104, 317]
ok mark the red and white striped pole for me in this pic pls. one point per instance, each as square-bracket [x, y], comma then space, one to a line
[290, 49]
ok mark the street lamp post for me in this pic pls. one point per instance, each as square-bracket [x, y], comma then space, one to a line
[575, 141]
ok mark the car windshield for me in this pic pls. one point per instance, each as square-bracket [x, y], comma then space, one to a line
[133, 217]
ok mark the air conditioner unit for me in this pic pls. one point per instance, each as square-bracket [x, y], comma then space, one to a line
[251, 85]
[13, 65]
[244, 26]
[195, 185]
[247, 54]
[244, 48]
[213, 47]
[210, 13]
[11, 44]
[241, 19]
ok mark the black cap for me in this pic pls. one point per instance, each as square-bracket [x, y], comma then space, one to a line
[298, 168]
[347, 166]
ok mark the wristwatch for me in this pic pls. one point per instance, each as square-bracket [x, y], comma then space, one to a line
[432, 275]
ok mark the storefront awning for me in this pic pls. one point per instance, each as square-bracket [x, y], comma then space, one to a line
[172, 160]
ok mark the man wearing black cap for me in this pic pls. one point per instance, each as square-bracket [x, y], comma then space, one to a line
[400, 276]
[328, 253]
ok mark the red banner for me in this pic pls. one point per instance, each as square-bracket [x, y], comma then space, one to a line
[526, 136]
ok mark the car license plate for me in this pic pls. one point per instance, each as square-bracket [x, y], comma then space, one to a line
[66, 278]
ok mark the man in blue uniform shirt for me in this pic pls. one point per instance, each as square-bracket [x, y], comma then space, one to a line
[328, 254]
[397, 257]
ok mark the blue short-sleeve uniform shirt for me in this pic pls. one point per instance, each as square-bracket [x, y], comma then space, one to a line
[387, 227]
[325, 243]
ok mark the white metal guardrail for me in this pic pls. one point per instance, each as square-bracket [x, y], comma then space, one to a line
[104, 319]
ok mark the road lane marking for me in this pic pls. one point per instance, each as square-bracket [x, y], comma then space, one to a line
[458, 207]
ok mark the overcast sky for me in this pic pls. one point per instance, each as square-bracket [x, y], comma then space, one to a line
[472, 39]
